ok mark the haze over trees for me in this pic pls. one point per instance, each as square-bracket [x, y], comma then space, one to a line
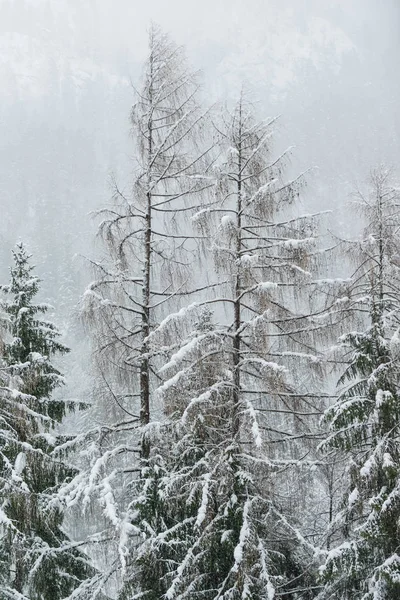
[241, 437]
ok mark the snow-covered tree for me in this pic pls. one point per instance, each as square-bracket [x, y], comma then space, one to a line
[216, 509]
[146, 233]
[146, 270]
[33, 340]
[37, 561]
[269, 257]
[206, 514]
[364, 421]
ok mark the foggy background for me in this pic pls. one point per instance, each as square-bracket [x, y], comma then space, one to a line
[329, 67]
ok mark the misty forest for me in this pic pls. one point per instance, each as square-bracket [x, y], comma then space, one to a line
[200, 300]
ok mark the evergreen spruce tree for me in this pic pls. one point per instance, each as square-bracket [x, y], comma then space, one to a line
[210, 527]
[365, 420]
[37, 561]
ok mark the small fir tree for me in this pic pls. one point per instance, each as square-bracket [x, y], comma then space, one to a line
[33, 340]
[36, 557]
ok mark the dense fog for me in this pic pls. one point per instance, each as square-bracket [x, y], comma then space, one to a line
[67, 68]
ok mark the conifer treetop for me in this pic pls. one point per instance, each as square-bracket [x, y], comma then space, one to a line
[32, 340]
